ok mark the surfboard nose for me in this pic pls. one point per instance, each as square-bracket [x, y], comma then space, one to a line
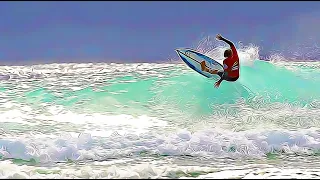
[181, 51]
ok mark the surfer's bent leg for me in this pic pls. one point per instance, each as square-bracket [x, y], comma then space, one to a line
[204, 68]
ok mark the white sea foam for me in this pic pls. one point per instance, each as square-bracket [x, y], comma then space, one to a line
[52, 133]
[215, 49]
[212, 143]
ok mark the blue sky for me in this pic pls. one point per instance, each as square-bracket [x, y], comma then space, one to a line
[146, 31]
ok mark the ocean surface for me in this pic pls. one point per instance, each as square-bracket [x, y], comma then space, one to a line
[160, 120]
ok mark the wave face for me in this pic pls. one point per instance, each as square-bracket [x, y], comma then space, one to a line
[115, 115]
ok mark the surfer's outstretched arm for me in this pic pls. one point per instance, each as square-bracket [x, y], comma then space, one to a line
[219, 37]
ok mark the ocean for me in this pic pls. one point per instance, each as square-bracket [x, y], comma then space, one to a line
[160, 120]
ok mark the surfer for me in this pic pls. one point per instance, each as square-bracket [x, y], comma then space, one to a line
[230, 64]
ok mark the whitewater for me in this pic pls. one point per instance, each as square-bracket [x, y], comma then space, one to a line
[161, 120]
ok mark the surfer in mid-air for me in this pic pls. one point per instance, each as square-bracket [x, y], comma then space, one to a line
[230, 64]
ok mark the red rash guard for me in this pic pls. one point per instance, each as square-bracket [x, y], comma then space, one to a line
[231, 64]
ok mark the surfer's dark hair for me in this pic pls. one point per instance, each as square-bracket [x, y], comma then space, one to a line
[227, 53]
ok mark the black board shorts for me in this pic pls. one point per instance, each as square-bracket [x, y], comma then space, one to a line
[225, 76]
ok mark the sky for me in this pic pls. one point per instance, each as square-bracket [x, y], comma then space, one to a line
[119, 31]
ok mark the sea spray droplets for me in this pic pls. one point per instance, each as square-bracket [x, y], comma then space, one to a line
[215, 49]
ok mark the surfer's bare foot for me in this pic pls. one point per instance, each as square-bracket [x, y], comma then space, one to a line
[203, 66]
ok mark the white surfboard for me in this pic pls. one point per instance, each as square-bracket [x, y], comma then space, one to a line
[193, 59]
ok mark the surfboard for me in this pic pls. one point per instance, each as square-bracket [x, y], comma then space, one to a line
[193, 59]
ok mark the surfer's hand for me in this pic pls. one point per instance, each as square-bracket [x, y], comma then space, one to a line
[219, 37]
[217, 84]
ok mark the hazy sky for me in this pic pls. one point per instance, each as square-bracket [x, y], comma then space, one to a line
[148, 31]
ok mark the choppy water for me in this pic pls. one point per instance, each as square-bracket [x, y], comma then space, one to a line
[159, 120]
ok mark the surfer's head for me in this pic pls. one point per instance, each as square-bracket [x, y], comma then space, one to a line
[228, 53]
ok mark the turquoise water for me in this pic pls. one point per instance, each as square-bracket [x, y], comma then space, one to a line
[176, 86]
[96, 114]
[173, 86]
